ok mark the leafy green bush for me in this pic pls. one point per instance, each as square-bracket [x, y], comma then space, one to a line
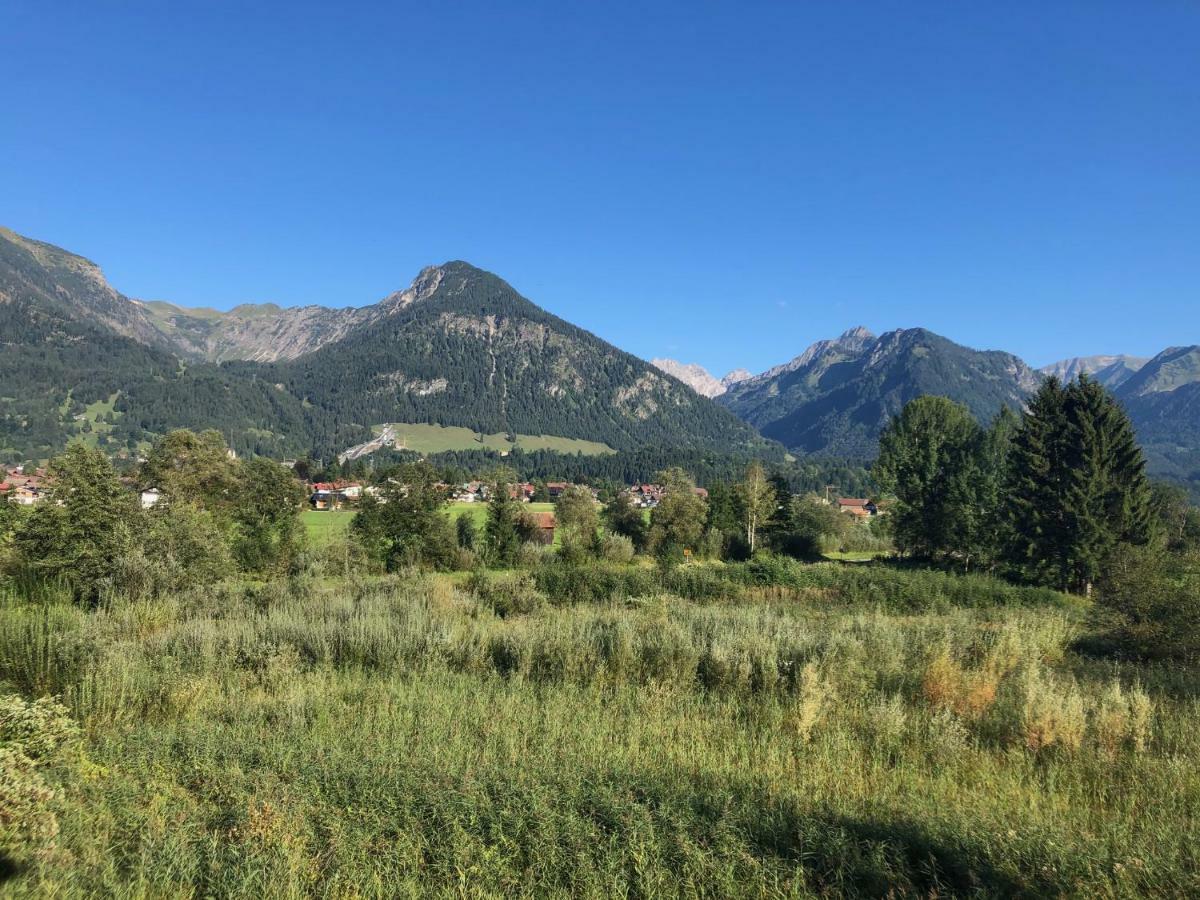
[31, 735]
[506, 595]
[594, 582]
[1147, 606]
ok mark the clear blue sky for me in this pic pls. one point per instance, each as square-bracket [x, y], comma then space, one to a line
[723, 183]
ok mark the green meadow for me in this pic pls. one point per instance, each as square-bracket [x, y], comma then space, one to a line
[740, 730]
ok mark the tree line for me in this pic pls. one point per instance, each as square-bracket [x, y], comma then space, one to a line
[218, 517]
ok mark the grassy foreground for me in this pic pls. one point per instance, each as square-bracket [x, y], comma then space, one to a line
[395, 737]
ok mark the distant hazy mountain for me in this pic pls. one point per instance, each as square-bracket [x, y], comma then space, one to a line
[457, 347]
[693, 375]
[1110, 371]
[1163, 399]
[838, 394]
[1174, 368]
[698, 378]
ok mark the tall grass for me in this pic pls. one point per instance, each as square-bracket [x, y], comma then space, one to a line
[410, 735]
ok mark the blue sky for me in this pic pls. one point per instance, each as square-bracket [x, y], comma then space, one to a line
[723, 183]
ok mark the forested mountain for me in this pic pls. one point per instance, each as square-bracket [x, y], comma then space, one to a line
[836, 396]
[1110, 371]
[457, 347]
[469, 350]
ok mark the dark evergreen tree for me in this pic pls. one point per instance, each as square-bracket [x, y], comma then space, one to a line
[623, 517]
[1077, 487]
[468, 535]
[502, 533]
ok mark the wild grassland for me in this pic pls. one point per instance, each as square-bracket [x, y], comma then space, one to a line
[788, 731]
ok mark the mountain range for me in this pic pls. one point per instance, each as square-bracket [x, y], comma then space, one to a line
[459, 347]
[1110, 371]
[836, 396]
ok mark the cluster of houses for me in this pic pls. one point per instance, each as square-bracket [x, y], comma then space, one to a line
[336, 494]
[648, 496]
[478, 491]
[24, 487]
[28, 487]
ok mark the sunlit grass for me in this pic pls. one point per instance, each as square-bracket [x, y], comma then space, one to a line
[396, 737]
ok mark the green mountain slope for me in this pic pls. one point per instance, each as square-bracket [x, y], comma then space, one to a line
[470, 351]
[836, 396]
[1173, 368]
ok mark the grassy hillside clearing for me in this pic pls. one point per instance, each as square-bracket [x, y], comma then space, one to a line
[424, 438]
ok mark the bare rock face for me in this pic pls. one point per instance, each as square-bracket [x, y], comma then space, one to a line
[737, 376]
[270, 333]
[693, 375]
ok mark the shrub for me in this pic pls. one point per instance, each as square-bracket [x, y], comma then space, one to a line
[39, 729]
[31, 734]
[616, 548]
[1122, 718]
[506, 595]
[1147, 606]
[1040, 713]
[594, 582]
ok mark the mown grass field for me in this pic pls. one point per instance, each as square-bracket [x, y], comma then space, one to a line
[835, 730]
[425, 438]
[324, 526]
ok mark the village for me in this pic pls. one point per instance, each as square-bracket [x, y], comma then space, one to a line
[30, 485]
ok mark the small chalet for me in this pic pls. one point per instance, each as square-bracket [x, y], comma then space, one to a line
[25, 490]
[859, 508]
[522, 492]
[546, 524]
[334, 494]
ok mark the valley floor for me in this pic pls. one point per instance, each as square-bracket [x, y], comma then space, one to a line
[396, 737]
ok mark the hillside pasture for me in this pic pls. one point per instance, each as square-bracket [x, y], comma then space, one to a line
[426, 438]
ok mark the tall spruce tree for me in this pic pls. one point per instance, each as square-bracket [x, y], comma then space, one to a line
[1077, 486]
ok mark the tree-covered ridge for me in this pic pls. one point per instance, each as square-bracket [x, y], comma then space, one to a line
[475, 353]
[838, 395]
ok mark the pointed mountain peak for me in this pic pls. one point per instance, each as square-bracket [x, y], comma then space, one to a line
[450, 278]
[858, 334]
[735, 377]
